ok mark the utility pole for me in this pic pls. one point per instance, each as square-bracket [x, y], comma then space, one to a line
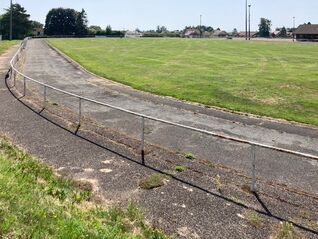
[249, 22]
[294, 26]
[200, 26]
[245, 19]
[11, 16]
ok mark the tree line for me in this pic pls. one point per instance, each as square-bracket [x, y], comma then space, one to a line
[69, 22]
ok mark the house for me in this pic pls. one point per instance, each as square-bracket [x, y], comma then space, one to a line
[220, 34]
[192, 33]
[38, 31]
[133, 34]
[307, 32]
[243, 34]
[206, 34]
[276, 34]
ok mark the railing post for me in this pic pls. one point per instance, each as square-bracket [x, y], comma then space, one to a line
[143, 140]
[253, 184]
[24, 86]
[79, 111]
[14, 78]
[44, 97]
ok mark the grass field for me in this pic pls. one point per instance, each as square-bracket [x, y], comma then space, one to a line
[279, 80]
[5, 45]
[34, 203]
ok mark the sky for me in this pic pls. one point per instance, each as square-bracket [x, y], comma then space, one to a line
[175, 14]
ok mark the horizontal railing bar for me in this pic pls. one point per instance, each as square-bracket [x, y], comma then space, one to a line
[165, 121]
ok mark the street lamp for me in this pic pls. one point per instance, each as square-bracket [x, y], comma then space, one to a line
[200, 26]
[294, 26]
[249, 22]
[245, 19]
[11, 16]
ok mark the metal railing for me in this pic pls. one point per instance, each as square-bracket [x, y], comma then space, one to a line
[15, 72]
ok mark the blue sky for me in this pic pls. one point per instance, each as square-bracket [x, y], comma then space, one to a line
[175, 14]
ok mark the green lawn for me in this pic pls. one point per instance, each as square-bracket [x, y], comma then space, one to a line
[34, 203]
[279, 80]
[5, 45]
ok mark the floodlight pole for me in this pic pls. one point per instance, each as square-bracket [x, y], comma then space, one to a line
[294, 26]
[246, 20]
[200, 26]
[249, 22]
[11, 20]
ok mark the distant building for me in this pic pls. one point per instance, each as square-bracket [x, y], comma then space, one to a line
[207, 34]
[38, 31]
[220, 34]
[133, 34]
[276, 34]
[243, 34]
[307, 32]
[192, 33]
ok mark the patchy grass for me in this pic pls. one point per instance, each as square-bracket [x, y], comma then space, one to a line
[34, 203]
[54, 104]
[190, 156]
[253, 218]
[5, 45]
[306, 218]
[286, 230]
[153, 181]
[279, 80]
[180, 168]
[218, 183]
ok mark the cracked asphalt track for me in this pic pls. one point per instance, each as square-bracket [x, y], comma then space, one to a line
[46, 65]
[176, 207]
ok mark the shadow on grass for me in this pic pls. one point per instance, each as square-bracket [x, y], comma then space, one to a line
[140, 161]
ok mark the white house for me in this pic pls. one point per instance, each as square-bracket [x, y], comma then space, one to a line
[133, 34]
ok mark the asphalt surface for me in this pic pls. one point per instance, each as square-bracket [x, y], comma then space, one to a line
[46, 65]
[179, 208]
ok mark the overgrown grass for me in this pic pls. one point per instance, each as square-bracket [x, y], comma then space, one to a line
[253, 218]
[180, 168]
[153, 181]
[5, 45]
[34, 203]
[286, 230]
[273, 79]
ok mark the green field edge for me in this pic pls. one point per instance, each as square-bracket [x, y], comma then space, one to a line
[294, 119]
[35, 203]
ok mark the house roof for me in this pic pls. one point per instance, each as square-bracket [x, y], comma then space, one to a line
[38, 29]
[242, 34]
[220, 33]
[307, 29]
[192, 32]
[276, 32]
[133, 33]
[206, 33]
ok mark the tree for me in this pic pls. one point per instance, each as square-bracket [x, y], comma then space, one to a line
[265, 27]
[95, 30]
[161, 29]
[200, 28]
[35, 24]
[283, 32]
[21, 25]
[234, 32]
[81, 23]
[61, 21]
[109, 30]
